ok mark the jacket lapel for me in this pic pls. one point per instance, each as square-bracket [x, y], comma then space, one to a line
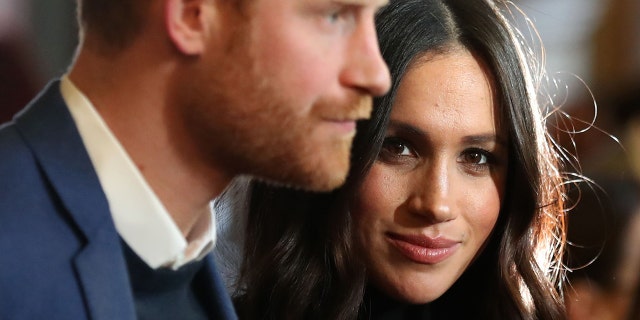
[217, 302]
[49, 129]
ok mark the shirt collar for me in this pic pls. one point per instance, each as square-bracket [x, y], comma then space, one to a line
[140, 218]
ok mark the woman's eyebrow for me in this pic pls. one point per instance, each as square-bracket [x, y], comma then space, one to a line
[414, 131]
[407, 128]
[484, 138]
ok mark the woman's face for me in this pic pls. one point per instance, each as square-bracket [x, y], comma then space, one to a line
[431, 200]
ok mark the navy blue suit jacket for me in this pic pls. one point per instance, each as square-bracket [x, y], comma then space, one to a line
[60, 254]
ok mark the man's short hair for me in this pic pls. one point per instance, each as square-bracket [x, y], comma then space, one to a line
[115, 22]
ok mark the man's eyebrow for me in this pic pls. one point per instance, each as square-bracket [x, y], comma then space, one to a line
[375, 3]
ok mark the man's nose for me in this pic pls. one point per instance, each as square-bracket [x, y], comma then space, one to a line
[366, 69]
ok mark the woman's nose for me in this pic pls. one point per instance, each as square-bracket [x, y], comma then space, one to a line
[432, 195]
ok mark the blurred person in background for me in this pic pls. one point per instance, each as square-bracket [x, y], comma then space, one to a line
[604, 251]
[18, 77]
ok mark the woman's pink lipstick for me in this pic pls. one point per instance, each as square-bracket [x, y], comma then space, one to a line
[422, 249]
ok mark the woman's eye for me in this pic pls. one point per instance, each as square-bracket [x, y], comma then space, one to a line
[475, 157]
[397, 147]
[478, 160]
[396, 151]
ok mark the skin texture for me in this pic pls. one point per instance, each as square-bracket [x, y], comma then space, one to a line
[441, 174]
[208, 90]
[289, 85]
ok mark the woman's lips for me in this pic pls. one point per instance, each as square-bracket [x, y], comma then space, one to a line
[422, 249]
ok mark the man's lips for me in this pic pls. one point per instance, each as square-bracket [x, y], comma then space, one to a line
[423, 249]
[344, 125]
[345, 119]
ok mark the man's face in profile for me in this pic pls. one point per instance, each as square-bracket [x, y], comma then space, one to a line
[279, 95]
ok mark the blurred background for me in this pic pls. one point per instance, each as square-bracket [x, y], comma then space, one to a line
[593, 60]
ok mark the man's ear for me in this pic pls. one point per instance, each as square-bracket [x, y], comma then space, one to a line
[187, 25]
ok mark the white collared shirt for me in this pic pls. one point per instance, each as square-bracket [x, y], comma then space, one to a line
[140, 218]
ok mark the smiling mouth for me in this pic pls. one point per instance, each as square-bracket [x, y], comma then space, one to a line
[422, 249]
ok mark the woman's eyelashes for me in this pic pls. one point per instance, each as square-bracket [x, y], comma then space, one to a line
[478, 160]
[474, 160]
[396, 150]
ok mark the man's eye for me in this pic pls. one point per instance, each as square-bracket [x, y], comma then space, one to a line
[341, 18]
[334, 16]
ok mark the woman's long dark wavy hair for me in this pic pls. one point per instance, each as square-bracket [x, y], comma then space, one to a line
[300, 261]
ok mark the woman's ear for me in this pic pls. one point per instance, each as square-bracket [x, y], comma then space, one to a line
[187, 24]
